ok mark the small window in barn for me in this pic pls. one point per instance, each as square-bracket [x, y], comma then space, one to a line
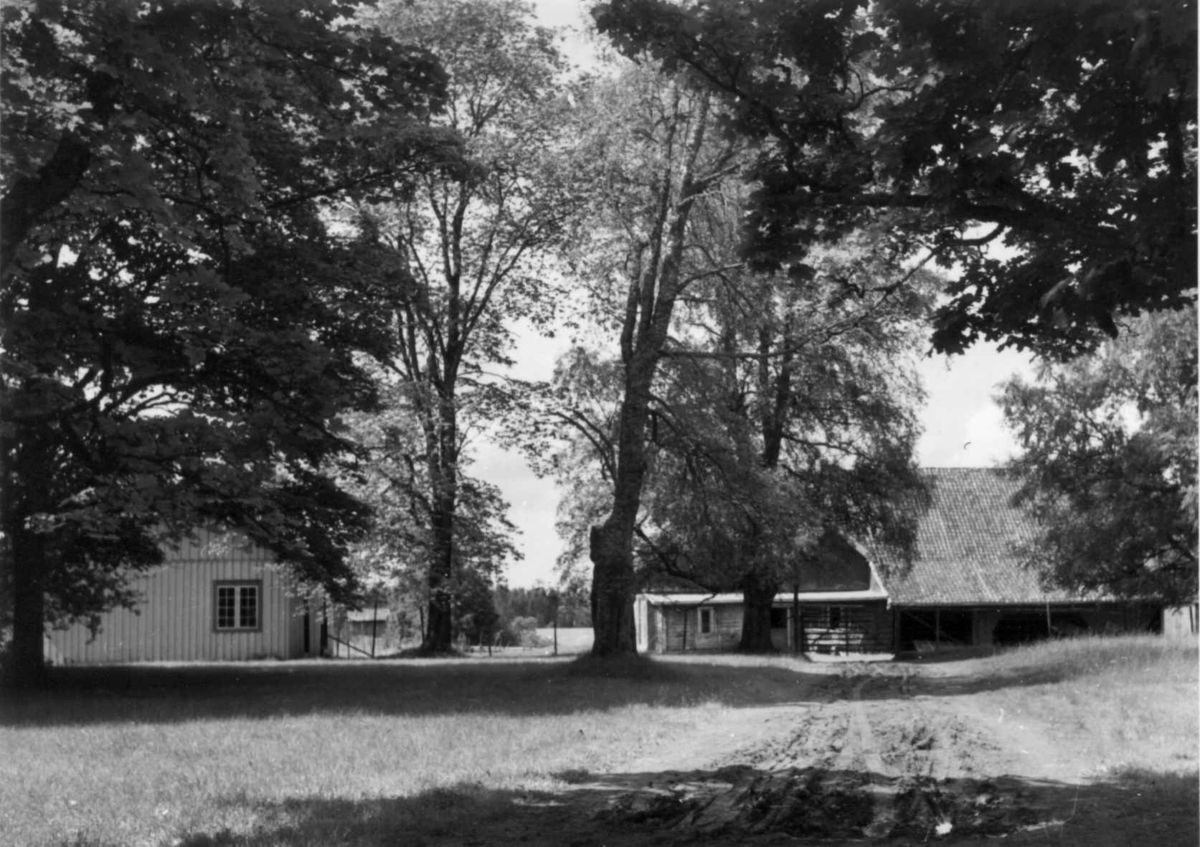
[835, 617]
[706, 621]
[779, 618]
[238, 606]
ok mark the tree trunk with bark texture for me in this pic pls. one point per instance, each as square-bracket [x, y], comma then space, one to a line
[28, 669]
[24, 496]
[612, 592]
[759, 593]
[442, 458]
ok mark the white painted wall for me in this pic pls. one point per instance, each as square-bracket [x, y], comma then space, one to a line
[1181, 622]
[176, 619]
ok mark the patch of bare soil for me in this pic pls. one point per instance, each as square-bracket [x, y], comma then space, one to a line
[871, 756]
[880, 765]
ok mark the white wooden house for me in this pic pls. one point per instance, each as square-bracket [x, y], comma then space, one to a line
[217, 598]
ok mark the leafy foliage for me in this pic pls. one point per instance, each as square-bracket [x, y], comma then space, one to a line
[1109, 463]
[1063, 131]
[398, 550]
[475, 241]
[748, 412]
[181, 328]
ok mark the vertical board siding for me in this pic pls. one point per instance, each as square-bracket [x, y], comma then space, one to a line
[684, 622]
[175, 619]
[860, 628]
[865, 628]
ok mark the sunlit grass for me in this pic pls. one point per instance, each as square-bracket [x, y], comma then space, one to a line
[159, 755]
[390, 752]
[1129, 702]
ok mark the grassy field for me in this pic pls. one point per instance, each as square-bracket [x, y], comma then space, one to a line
[1129, 704]
[316, 753]
[327, 753]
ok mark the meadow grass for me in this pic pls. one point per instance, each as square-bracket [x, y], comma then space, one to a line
[318, 753]
[330, 753]
[1131, 703]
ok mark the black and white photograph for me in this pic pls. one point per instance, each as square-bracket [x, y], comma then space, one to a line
[588, 423]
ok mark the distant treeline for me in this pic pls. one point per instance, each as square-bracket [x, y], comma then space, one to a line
[573, 605]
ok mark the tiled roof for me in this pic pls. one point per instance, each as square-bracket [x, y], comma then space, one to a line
[965, 547]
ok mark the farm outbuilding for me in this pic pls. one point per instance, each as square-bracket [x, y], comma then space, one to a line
[216, 598]
[839, 605]
[965, 586]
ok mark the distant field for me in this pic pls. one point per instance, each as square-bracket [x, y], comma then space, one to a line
[570, 640]
[535, 750]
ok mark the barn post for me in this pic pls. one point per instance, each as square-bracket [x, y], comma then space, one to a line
[374, 622]
[795, 618]
[324, 627]
[307, 628]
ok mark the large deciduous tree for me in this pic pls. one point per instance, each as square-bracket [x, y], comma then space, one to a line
[398, 549]
[1064, 131]
[1109, 459]
[475, 243]
[180, 325]
[655, 158]
[789, 413]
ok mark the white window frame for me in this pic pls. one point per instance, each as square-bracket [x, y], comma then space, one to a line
[706, 622]
[241, 589]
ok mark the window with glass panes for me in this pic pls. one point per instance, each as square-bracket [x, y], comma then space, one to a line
[238, 605]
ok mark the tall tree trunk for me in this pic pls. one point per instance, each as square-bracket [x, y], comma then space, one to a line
[25, 493]
[28, 669]
[612, 591]
[439, 632]
[611, 543]
[655, 285]
[442, 447]
[759, 592]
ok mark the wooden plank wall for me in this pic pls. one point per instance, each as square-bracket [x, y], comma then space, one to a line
[862, 628]
[725, 635]
[176, 616]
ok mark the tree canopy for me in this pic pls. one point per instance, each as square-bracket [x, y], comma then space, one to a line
[1109, 462]
[1062, 132]
[473, 242]
[181, 326]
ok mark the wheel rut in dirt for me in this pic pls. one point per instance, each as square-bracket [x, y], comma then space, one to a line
[849, 767]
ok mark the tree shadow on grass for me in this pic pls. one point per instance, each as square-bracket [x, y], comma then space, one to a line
[744, 805]
[165, 694]
[158, 694]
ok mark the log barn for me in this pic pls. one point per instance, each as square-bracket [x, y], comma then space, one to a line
[964, 587]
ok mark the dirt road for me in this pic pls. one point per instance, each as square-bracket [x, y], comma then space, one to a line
[874, 754]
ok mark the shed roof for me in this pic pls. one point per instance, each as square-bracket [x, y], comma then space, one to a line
[965, 547]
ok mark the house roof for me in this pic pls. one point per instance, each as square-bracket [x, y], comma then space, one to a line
[965, 543]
